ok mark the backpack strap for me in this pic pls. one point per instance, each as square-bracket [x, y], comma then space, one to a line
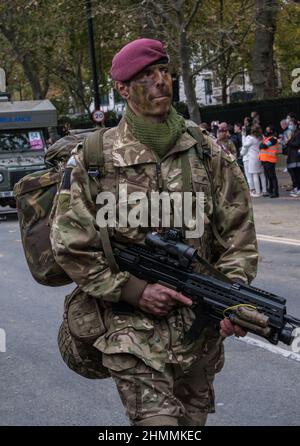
[93, 153]
[203, 148]
[204, 153]
[94, 161]
[186, 173]
[185, 164]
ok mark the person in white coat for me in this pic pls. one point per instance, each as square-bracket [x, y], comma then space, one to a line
[245, 157]
[252, 165]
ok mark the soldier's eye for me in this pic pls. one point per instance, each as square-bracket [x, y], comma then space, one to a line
[164, 70]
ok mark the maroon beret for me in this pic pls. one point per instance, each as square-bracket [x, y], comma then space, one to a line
[135, 56]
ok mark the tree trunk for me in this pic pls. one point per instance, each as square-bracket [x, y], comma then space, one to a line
[224, 90]
[187, 78]
[223, 60]
[33, 79]
[263, 72]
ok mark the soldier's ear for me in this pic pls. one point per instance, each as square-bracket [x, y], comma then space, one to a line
[123, 89]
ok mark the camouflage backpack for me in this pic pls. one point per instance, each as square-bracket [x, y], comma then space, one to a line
[35, 196]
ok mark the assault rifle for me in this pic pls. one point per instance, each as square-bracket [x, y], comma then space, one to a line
[167, 260]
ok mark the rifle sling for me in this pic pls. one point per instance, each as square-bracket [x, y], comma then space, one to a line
[213, 271]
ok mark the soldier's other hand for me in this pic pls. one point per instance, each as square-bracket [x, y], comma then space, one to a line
[160, 300]
[227, 328]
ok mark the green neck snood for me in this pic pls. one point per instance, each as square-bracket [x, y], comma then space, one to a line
[158, 137]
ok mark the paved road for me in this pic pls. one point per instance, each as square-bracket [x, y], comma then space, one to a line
[256, 387]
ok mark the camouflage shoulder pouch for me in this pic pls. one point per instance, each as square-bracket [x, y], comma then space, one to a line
[83, 317]
[82, 325]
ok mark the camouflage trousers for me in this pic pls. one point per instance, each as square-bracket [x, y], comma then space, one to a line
[171, 398]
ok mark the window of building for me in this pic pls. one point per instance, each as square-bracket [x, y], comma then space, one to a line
[208, 86]
[104, 100]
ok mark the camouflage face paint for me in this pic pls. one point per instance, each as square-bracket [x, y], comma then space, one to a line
[150, 92]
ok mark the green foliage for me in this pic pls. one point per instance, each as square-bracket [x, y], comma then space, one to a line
[77, 121]
[287, 49]
[84, 120]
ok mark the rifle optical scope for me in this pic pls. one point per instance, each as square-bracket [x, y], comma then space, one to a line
[170, 242]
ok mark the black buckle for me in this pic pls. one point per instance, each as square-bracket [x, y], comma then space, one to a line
[94, 172]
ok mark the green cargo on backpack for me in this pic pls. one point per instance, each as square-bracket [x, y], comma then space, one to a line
[35, 196]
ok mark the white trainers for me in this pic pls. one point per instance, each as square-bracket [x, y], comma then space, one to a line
[293, 191]
[255, 195]
[296, 194]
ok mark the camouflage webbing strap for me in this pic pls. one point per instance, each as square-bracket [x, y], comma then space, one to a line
[186, 173]
[108, 252]
[93, 153]
[94, 162]
[202, 151]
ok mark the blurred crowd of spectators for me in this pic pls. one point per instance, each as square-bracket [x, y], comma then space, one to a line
[256, 151]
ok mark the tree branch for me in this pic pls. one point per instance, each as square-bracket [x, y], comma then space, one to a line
[192, 14]
[211, 61]
[162, 13]
[234, 76]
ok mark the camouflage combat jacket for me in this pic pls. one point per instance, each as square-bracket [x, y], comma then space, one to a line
[228, 146]
[76, 240]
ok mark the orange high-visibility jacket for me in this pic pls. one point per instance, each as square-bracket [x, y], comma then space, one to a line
[269, 150]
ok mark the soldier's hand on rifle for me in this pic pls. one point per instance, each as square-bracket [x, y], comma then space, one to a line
[160, 300]
[227, 328]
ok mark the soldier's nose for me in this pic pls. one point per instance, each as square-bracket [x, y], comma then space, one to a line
[159, 79]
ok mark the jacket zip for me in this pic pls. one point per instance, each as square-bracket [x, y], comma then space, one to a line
[158, 177]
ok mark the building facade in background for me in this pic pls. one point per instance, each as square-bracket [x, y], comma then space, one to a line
[209, 89]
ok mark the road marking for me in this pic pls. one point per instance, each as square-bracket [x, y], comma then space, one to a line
[282, 240]
[271, 348]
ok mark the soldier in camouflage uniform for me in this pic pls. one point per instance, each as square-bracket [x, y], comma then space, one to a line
[162, 378]
[224, 141]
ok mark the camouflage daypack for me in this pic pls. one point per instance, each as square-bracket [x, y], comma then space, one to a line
[82, 325]
[35, 195]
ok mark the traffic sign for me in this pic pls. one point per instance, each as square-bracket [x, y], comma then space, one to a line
[98, 116]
